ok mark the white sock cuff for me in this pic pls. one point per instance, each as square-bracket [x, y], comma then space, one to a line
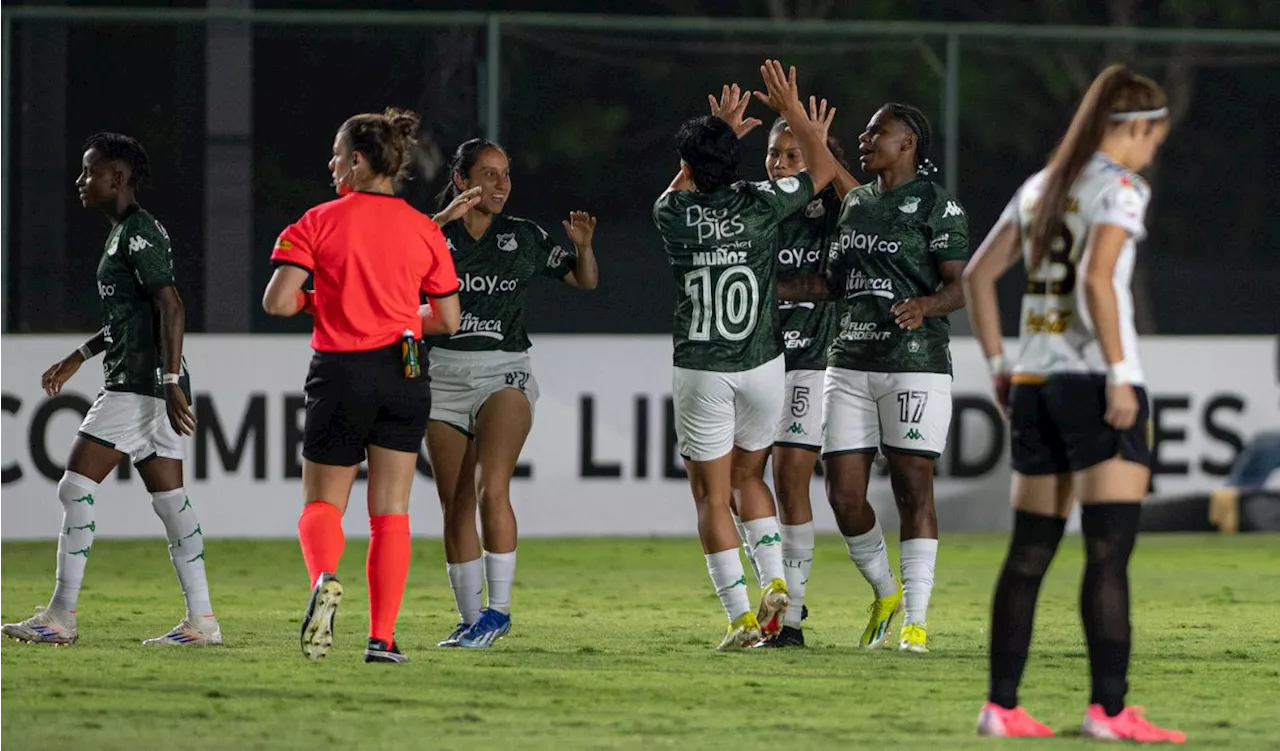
[723, 558]
[761, 526]
[798, 535]
[500, 557]
[79, 482]
[870, 537]
[918, 546]
[175, 496]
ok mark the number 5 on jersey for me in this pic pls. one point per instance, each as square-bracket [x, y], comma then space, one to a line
[730, 304]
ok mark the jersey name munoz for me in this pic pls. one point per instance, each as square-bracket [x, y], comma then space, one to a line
[1056, 333]
[890, 246]
[137, 262]
[803, 239]
[493, 279]
[722, 247]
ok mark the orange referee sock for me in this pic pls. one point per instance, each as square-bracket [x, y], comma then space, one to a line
[321, 537]
[388, 570]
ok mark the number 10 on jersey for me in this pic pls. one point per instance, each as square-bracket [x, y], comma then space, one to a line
[731, 304]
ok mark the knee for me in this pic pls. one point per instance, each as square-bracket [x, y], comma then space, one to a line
[846, 497]
[75, 488]
[494, 490]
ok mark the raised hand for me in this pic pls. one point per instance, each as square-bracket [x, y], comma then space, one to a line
[581, 227]
[460, 205]
[731, 107]
[820, 116]
[783, 90]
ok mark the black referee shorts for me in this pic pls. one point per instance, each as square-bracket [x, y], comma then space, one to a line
[359, 399]
[1057, 427]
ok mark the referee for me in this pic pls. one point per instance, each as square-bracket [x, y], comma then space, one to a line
[372, 256]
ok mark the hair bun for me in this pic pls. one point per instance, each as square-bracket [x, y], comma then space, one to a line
[404, 123]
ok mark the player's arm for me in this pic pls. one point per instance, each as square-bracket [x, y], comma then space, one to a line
[152, 265]
[61, 371]
[948, 228]
[808, 288]
[784, 97]
[1105, 243]
[459, 206]
[581, 228]
[998, 253]
[821, 116]
[441, 315]
[441, 310]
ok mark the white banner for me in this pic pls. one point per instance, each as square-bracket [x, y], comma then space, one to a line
[601, 459]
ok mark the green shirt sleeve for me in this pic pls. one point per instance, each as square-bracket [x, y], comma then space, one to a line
[146, 247]
[948, 229]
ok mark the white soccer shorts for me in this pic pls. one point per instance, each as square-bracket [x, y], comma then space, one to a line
[907, 412]
[716, 411]
[801, 424]
[133, 424]
[461, 382]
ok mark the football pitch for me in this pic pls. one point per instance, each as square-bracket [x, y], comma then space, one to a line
[612, 646]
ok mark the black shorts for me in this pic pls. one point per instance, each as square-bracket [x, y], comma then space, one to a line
[1057, 427]
[358, 399]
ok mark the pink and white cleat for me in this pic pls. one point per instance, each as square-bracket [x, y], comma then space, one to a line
[997, 722]
[1129, 725]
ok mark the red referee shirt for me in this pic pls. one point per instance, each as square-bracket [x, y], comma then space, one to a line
[371, 256]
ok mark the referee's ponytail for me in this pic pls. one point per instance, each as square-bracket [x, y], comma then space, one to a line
[460, 164]
[387, 140]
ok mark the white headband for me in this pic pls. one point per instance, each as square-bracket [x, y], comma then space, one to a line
[1120, 117]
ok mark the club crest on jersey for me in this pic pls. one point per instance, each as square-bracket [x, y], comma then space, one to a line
[910, 205]
[115, 245]
[815, 209]
[913, 346]
[789, 185]
[507, 241]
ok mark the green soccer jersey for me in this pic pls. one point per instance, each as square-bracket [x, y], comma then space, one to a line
[803, 239]
[493, 278]
[136, 263]
[889, 247]
[722, 249]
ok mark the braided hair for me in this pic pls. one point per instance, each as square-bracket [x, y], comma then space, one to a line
[914, 119]
[122, 148]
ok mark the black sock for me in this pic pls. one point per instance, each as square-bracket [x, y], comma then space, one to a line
[1035, 540]
[1109, 533]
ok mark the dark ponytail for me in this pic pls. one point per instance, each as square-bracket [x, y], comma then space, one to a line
[386, 140]
[460, 164]
[914, 118]
[1115, 92]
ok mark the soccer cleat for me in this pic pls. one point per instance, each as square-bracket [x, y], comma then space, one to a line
[189, 632]
[743, 633]
[491, 626]
[379, 651]
[913, 639]
[317, 624]
[773, 606]
[458, 631]
[789, 636]
[45, 627]
[882, 612]
[1129, 725]
[997, 722]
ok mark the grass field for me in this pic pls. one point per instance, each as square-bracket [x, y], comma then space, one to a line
[612, 647]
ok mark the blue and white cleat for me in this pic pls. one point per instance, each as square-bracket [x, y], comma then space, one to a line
[45, 627]
[458, 631]
[491, 627]
[204, 632]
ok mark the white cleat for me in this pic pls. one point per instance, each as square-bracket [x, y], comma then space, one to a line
[317, 624]
[44, 628]
[206, 632]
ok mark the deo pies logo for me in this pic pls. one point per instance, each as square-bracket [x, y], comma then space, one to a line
[713, 224]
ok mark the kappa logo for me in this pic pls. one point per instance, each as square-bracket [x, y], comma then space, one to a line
[796, 429]
[952, 209]
[452, 248]
[815, 209]
[913, 435]
[507, 242]
[137, 243]
[852, 200]
[910, 205]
